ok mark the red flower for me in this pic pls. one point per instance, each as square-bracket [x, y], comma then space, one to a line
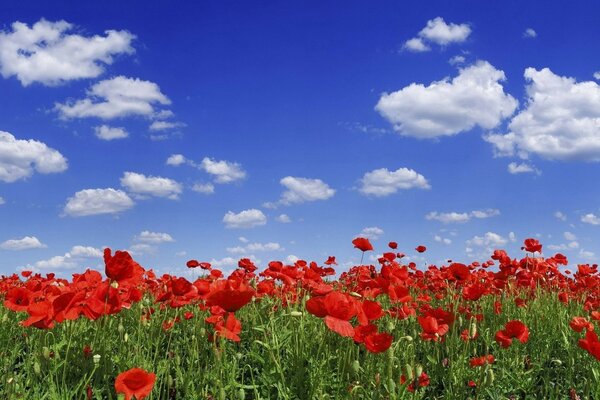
[330, 261]
[459, 272]
[120, 266]
[230, 329]
[17, 299]
[578, 324]
[421, 249]
[432, 329]
[479, 361]
[230, 294]
[135, 383]
[591, 344]
[422, 381]
[192, 264]
[362, 244]
[378, 342]
[532, 246]
[393, 245]
[512, 330]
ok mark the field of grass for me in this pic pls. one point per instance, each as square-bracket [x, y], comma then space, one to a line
[503, 329]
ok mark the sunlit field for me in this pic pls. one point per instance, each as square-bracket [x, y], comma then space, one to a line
[506, 328]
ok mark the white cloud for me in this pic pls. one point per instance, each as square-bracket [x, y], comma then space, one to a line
[484, 246]
[252, 247]
[456, 217]
[372, 232]
[457, 60]
[165, 125]
[597, 75]
[49, 54]
[529, 33]
[416, 44]
[223, 171]
[114, 98]
[176, 160]
[512, 237]
[2, 201]
[569, 236]
[382, 182]
[139, 249]
[153, 237]
[560, 215]
[590, 219]
[301, 190]
[243, 239]
[97, 201]
[522, 168]
[587, 255]
[204, 188]
[245, 219]
[291, 259]
[73, 259]
[439, 32]
[143, 185]
[443, 240]
[564, 247]
[561, 120]
[224, 262]
[20, 158]
[106, 132]
[473, 98]
[284, 219]
[25, 243]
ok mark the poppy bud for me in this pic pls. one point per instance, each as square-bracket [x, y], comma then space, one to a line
[222, 394]
[489, 377]
[407, 338]
[296, 313]
[409, 372]
[126, 337]
[354, 294]
[391, 385]
[418, 369]
[36, 368]
[473, 331]
[120, 328]
[96, 358]
[557, 362]
[391, 325]
[5, 318]
[241, 394]
[114, 284]
[170, 381]
[46, 352]
[355, 367]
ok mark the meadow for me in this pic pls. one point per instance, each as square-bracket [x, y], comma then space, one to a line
[506, 328]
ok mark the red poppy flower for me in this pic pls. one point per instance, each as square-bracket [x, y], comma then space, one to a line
[135, 383]
[330, 261]
[393, 245]
[479, 361]
[362, 244]
[532, 245]
[459, 272]
[229, 329]
[120, 266]
[591, 344]
[229, 294]
[192, 264]
[512, 330]
[17, 299]
[378, 342]
[432, 329]
[578, 324]
[421, 249]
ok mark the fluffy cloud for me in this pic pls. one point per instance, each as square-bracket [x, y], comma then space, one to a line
[2, 201]
[561, 120]
[176, 160]
[164, 125]
[73, 259]
[473, 98]
[284, 219]
[97, 201]
[484, 246]
[115, 98]
[439, 32]
[143, 185]
[49, 54]
[25, 243]
[252, 247]
[560, 216]
[223, 171]
[382, 182]
[204, 188]
[529, 33]
[522, 168]
[301, 190]
[372, 232]
[455, 217]
[105, 132]
[245, 219]
[591, 219]
[153, 237]
[20, 158]
[443, 240]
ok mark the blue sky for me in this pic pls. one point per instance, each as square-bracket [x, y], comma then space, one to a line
[216, 130]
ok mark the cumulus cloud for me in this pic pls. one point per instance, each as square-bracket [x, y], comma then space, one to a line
[443, 240]
[591, 219]
[560, 216]
[105, 132]
[97, 201]
[561, 120]
[25, 243]
[483, 246]
[253, 247]
[372, 232]
[245, 219]
[223, 171]
[522, 168]
[301, 190]
[143, 185]
[20, 158]
[176, 160]
[529, 33]
[204, 188]
[47, 53]
[165, 125]
[153, 237]
[74, 259]
[383, 182]
[439, 32]
[115, 98]
[284, 219]
[473, 98]
[597, 75]
[462, 217]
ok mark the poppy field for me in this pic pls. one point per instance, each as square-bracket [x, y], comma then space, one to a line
[505, 328]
